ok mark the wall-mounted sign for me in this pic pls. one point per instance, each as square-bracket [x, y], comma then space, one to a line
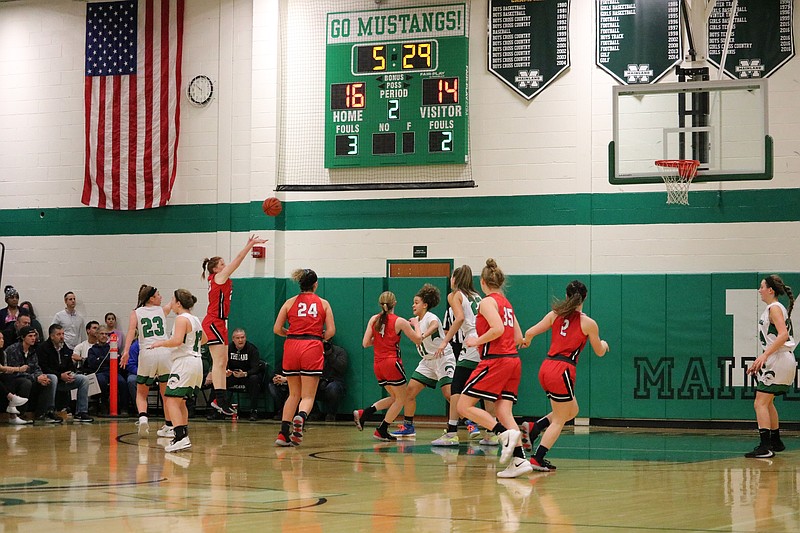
[761, 39]
[528, 43]
[638, 41]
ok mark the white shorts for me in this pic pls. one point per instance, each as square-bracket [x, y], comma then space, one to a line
[154, 365]
[778, 373]
[185, 377]
[435, 371]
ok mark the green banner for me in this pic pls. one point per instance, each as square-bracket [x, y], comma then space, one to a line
[638, 41]
[761, 39]
[528, 42]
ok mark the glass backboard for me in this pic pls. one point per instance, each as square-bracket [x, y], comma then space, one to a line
[723, 124]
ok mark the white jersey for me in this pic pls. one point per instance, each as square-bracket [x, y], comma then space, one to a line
[191, 341]
[150, 322]
[469, 306]
[429, 345]
[767, 332]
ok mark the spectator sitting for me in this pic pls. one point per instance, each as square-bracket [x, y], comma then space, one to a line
[245, 369]
[8, 385]
[111, 324]
[99, 363]
[35, 323]
[133, 370]
[12, 329]
[71, 321]
[55, 359]
[331, 388]
[81, 351]
[23, 356]
[279, 392]
[9, 312]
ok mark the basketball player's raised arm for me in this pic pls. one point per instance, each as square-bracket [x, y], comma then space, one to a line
[223, 275]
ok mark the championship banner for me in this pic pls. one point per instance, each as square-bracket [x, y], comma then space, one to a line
[638, 41]
[528, 43]
[762, 39]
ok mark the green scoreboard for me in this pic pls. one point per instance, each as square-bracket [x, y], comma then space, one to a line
[396, 87]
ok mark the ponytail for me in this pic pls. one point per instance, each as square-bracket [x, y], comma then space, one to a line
[387, 301]
[576, 294]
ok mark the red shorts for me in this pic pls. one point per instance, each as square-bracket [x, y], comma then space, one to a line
[389, 372]
[216, 330]
[495, 378]
[557, 378]
[302, 357]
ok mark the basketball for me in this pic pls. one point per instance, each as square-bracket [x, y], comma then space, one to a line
[272, 206]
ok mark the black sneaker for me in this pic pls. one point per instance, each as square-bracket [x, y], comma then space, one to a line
[253, 415]
[83, 417]
[50, 418]
[760, 452]
[776, 445]
[223, 407]
[543, 466]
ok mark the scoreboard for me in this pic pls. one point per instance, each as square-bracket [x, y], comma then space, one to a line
[396, 87]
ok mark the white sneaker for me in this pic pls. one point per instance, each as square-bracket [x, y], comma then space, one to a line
[16, 401]
[508, 440]
[182, 444]
[12, 410]
[166, 431]
[144, 426]
[516, 468]
[17, 421]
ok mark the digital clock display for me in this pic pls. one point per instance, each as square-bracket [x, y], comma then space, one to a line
[396, 87]
[395, 57]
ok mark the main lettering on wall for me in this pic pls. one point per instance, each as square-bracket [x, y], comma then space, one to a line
[528, 43]
[397, 87]
[671, 378]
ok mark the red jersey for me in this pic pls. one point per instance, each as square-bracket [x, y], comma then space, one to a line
[219, 298]
[567, 338]
[307, 315]
[386, 340]
[504, 344]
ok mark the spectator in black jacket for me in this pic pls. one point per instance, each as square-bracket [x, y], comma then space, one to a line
[12, 329]
[56, 359]
[22, 355]
[99, 362]
[331, 388]
[245, 369]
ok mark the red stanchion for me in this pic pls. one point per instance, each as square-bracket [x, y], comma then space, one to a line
[112, 386]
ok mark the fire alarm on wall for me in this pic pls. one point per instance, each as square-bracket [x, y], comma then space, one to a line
[259, 252]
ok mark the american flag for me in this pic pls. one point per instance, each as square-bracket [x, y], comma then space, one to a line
[132, 104]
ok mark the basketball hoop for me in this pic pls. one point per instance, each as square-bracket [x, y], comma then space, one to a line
[677, 183]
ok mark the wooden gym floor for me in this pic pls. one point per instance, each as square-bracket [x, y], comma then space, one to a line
[103, 478]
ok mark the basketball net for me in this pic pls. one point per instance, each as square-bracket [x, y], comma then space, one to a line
[678, 175]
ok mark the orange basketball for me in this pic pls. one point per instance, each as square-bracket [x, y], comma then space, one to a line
[272, 206]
